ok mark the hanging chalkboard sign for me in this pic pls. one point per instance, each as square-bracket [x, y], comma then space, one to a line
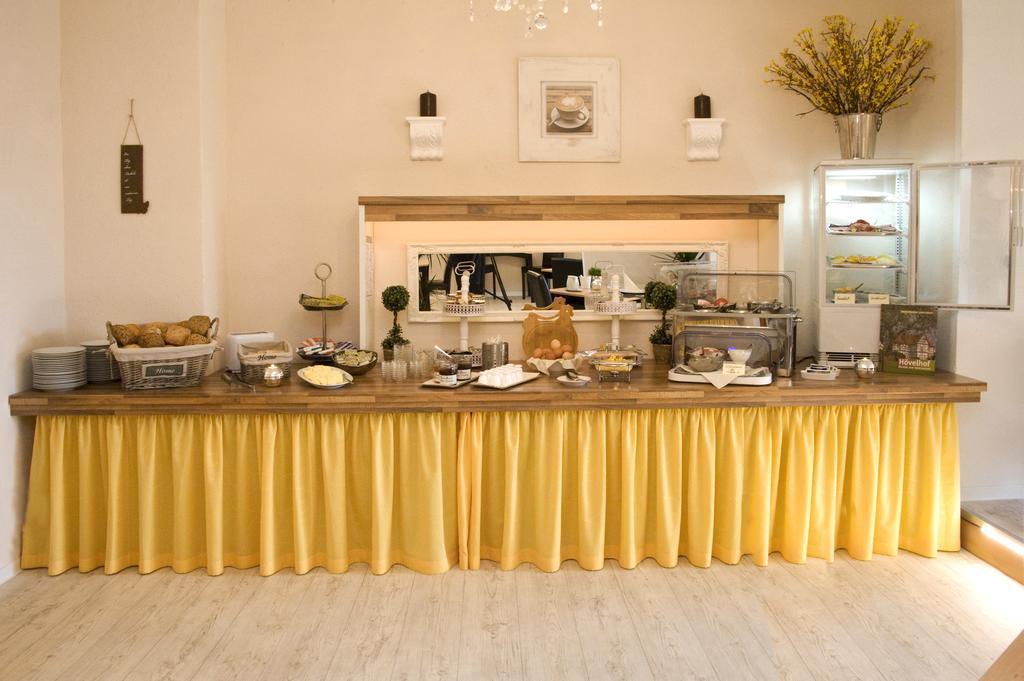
[131, 179]
[132, 200]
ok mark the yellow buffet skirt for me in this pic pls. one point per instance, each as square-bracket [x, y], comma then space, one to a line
[431, 490]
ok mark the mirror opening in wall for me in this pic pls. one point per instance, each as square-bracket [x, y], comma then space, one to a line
[510, 277]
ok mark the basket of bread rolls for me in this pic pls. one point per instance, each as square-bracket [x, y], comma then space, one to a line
[163, 354]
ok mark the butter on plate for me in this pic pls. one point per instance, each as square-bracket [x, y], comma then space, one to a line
[322, 376]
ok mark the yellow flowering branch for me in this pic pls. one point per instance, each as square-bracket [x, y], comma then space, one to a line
[846, 74]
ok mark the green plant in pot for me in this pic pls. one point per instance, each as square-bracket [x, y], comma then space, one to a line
[661, 296]
[595, 277]
[395, 299]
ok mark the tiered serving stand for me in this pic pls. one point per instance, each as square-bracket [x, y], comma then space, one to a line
[323, 272]
[465, 308]
[616, 307]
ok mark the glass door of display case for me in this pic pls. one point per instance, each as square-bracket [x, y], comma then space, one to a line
[968, 230]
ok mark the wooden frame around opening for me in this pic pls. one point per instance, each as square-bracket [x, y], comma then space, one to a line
[373, 209]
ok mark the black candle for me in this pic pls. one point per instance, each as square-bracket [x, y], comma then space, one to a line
[428, 104]
[702, 106]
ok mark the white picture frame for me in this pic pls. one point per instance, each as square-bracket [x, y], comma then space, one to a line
[569, 110]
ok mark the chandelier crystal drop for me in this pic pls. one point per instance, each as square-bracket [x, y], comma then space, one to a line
[534, 13]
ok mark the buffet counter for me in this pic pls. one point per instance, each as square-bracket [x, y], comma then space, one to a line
[388, 473]
[370, 394]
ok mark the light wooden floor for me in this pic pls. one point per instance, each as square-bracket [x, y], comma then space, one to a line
[891, 618]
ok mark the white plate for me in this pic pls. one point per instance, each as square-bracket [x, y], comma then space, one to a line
[63, 387]
[346, 377]
[580, 382]
[66, 350]
[865, 266]
[570, 124]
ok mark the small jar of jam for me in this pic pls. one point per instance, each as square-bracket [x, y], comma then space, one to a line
[465, 365]
[447, 372]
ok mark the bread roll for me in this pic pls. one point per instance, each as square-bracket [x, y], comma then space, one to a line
[198, 324]
[196, 339]
[151, 338]
[176, 335]
[123, 335]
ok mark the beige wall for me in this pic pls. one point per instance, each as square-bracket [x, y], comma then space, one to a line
[31, 219]
[318, 93]
[992, 127]
[314, 98]
[132, 267]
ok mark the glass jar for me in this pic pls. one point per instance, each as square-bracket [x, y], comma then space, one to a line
[464, 364]
[447, 372]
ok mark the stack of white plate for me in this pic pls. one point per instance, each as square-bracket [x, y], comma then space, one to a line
[100, 365]
[58, 368]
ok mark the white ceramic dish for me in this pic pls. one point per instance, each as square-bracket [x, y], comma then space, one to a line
[740, 355]
[829, 375]
[345, 377]
[580, 382]
[527, 377]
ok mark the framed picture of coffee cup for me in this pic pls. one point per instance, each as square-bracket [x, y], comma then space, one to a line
[569, 109]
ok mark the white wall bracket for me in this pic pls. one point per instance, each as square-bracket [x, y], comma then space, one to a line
[426, 138]
[703, 138]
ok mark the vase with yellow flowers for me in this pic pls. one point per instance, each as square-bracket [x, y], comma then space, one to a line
[854, 79]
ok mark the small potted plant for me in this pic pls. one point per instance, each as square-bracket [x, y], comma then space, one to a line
[395, 299]
[594, 275]
[661, 296]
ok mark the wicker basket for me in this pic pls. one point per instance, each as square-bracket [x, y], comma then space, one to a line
[166, 367]
[254, 358]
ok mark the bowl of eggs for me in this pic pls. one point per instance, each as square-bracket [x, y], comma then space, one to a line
[555, 359]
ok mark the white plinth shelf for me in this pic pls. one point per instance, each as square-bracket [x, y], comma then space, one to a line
[703, 138]
[426, 137]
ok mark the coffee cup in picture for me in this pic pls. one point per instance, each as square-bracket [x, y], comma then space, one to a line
[571, 107]
[572, 283]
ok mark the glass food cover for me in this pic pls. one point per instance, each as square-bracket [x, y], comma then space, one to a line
[707, 348]
[755, 292]
[739, 302]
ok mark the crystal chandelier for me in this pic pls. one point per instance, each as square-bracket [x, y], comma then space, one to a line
[535, 14]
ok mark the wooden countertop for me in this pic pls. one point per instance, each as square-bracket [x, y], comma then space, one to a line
[649, 389]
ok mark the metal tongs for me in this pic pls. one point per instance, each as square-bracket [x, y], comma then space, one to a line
[229, 377]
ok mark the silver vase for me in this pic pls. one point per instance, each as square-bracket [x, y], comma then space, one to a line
[857, 134]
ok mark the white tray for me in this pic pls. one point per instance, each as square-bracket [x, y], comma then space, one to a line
[431, 383]
[527, 377]
[739, 380]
